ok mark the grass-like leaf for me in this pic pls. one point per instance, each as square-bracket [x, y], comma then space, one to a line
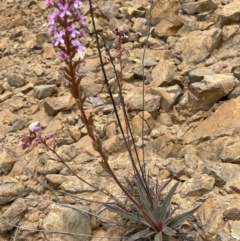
[158, 237]
[181, 218]
[144, 201]
[131, 216]
[167, 203]
[141, 234]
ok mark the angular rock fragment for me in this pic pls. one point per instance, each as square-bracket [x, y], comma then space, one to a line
[151, 102]
[12, 191]
[210, 90]
[163, 73]
[229, 13]
[197, 45]
[169, 25]
[43, 91]
[54, 105]
[68, 220]
[12, 215]
[199, 6]
[197, 186]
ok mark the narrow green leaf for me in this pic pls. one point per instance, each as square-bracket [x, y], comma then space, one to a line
[158, 236]
[166, 203]
[144, 200]
[168, 231]
[140, 234]
[129, 185]
[128, 215]
[163, 186]
[181, 218]
[156, 206]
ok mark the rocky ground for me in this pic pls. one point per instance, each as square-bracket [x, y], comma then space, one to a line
[191, 121]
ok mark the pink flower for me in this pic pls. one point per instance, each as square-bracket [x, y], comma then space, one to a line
[79, 47]
[77, 3]
[52, 17]
[64, 10]
[58, 38]
[73, 31]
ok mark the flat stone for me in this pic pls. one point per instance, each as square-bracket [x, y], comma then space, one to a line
[199, 7]
[16, 80]
[43, 91]
[54, 105]
[69, 220]
[12, 191]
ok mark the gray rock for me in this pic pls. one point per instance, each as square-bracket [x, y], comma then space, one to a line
[210, 90]
[151, 103]
[222, 172]
[54, 105]
[12, 191]
[12, 215]
[197, 186]
[234, 93]
[175, 167]
[16, 80]
[196, 75]
[43, 91]
[199, 6]
[19, 124]
[163, 73]
[69, 220]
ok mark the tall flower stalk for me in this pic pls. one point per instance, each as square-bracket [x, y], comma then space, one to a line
[67, 35]
[148, 214]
